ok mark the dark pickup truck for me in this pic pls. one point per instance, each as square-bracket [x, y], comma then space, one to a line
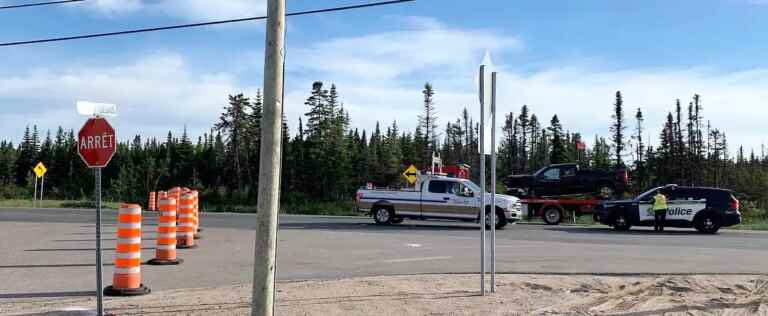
[567, 179]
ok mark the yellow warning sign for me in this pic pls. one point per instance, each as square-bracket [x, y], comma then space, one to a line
[40, 170]
[410, 174]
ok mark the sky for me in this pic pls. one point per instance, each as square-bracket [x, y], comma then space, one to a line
[559, 57]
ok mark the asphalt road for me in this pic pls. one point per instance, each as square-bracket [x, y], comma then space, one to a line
[51, 253]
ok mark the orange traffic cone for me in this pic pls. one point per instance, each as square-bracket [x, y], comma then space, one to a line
[165, 251]
[126, 280]
[185, 230]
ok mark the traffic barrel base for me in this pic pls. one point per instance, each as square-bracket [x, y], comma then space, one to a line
[165, 262]
[141, 290]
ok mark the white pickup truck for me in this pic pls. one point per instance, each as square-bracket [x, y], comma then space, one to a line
[436, 197]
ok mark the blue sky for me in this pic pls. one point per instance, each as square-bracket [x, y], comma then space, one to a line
[564, 57]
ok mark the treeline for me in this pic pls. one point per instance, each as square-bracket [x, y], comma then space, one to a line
[326, 160]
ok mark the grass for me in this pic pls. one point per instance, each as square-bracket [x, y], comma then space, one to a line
[55, 204]
[335, 208]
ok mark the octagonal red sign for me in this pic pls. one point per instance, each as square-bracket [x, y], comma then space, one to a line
[96, 142]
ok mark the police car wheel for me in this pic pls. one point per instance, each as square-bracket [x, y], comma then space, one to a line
[708, 224]
[382, 216]
[621, 223]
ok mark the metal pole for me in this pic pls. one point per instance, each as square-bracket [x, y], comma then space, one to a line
[42, 187]
[99, 283]
[270, 161]
[482, 181]
[34, 195]
[493, 182]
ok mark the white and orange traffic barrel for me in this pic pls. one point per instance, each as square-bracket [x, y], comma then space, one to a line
[126, 280]
[196, 212]
[175, 193]
[185, 235]
[152, 205]
[165, 249]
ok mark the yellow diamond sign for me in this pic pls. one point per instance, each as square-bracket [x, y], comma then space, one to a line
[40, 170]
[410, 174]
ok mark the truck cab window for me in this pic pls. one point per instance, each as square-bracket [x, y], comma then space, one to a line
[438, 187]
[569, 172]
[552, 174]
[459, 189]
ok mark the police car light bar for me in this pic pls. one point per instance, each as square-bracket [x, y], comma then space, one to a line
[96, 109]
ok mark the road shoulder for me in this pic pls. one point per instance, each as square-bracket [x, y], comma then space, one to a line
[429, 294]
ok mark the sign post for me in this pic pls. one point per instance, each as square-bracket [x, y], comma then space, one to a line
[40, 171]
[96, 146]
[493, 182]
[34, 194]
[482, 179]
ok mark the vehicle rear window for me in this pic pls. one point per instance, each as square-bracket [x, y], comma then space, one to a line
[718, 198]
[438, 186]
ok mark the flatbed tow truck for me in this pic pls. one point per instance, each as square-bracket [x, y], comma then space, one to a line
[554, 210]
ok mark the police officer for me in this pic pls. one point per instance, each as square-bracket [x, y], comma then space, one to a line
[659, 211]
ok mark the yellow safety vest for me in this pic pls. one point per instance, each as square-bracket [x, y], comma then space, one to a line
[659, 202]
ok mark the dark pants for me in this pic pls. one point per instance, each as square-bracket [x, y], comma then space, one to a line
[658, 220]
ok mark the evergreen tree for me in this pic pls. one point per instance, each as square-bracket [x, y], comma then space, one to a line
[557, 154]
[524, 123]
[639, 151]
[617, 130]
[233, 124]
[428, 123]
[26, 157]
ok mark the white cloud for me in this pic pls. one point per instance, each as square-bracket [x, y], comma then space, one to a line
[154, 95]
[113, 7]
[428, 46]
[380, 78]
[197, 10]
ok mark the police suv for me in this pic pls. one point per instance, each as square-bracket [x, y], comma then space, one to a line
[706, 209]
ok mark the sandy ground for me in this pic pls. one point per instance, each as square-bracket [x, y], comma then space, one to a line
[448, 295]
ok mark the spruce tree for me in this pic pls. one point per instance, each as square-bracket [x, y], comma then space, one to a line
[428, 123]
[617, 130]
[557, 154]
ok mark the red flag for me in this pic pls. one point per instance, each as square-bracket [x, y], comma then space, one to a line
[580, 145]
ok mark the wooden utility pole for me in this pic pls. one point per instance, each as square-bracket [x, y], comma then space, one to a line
[270, 159]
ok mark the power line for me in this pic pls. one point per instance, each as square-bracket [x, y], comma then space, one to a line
[37, 4]
[172, 27]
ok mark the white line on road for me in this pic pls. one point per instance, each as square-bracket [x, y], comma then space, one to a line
[415, 259]
[413, 245]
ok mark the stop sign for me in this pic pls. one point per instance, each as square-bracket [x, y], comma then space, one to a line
[96, 142]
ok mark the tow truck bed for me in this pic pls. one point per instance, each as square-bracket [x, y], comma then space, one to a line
[553, 210]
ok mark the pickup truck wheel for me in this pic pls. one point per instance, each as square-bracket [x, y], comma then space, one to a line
[501, 219]
[605, 191]
[621, 222]
[552, 216]
[382, 216]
